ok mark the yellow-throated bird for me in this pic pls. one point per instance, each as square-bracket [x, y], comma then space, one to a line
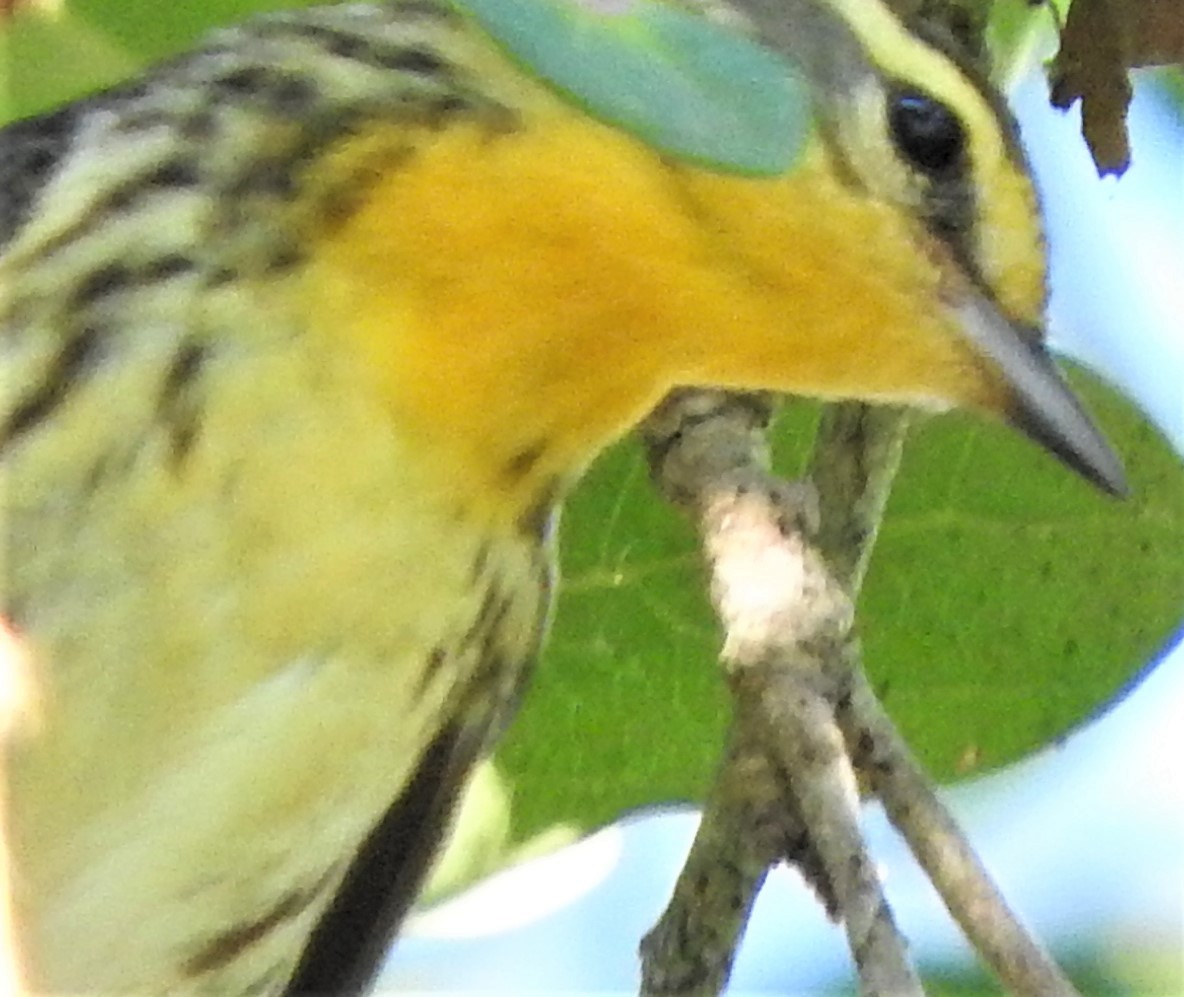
[305, 334]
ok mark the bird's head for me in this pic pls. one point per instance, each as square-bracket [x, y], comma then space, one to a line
[916, 162]
[567, 261]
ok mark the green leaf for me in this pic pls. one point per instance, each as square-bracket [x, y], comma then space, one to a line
[48, 60]
[679, 82]
[1006, 603]
[144, 28]
[51, 55]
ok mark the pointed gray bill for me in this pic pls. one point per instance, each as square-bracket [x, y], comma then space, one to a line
[1043, 407]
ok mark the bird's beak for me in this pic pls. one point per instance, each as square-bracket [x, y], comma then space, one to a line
[1041, 404]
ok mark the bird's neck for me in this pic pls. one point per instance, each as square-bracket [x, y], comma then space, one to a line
[521, 300]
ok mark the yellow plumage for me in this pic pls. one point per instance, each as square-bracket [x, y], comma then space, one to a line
[303, 340]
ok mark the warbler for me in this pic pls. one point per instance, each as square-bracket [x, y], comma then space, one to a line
[305, 336]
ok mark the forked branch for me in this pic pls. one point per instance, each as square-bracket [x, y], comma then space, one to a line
[786, 562]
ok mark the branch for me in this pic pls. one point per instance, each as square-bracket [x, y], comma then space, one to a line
[853, 464]
[787, 620]
[748, 824]
[806, 720]
[938, 844]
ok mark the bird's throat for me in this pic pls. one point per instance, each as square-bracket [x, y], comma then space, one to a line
[521, 299]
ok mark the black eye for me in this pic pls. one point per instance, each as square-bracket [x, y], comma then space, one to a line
[926, 131]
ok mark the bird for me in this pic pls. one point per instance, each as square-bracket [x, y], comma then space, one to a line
[306, 335]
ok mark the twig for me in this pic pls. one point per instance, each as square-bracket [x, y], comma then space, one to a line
[1003, 943]
[747, 825]
[811, 747]
[788, 625]
[805, 717]
[691, 948]
[854, 461]
[786, 620]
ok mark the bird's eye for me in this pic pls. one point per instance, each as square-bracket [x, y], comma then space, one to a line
[926, 131]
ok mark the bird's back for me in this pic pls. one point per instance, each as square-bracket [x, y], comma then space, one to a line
[252, 603]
